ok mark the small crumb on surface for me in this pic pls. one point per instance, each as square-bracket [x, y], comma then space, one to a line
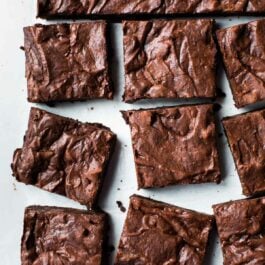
[120, 205]
[22, 48]
[14, 187]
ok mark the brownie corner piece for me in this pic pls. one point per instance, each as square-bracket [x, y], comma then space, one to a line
[55, 235]
[64, 156]
[246, 138]
[159, 233]
[242, 48]
[174, 145]
[242, 231]
[67, 62]
[164, 59]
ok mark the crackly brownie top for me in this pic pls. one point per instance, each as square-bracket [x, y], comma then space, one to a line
[164, 59]
[67, 62]
[62, 236]
[241, 226]
[64, 156]
[243, 50]
[53, 8]
[158, 233]
[174, 145]
[246, 136]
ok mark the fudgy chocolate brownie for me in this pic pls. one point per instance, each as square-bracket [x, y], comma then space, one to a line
[246, 137]
[64, 156]
[62, 236]
[241, 226]
[132, 8]
[158, 233]
[174, 145]
[243, 50]
[67, 62]
[164, 59]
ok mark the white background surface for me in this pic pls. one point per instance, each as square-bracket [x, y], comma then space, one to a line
[121, 180]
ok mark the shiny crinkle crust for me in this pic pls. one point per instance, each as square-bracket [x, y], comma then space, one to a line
[243, 50]
[58, 236]
[241, 227]
[164, 59]
[174, 145]
[74, 8]
[157, 233]
[64, 156]
[67, 62]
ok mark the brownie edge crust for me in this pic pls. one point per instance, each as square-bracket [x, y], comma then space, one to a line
[58, 236]
[159, 233]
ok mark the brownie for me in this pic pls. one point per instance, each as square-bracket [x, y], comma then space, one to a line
[62, 236]
[67, 62]
[158, 233]
[243, 50]
[174, 145]
[241, 227]
[246, 137]
[64, 156]
[164, 59]
[117, 8]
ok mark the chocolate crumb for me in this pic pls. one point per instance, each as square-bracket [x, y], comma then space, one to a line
[120, 205]
[22, 48]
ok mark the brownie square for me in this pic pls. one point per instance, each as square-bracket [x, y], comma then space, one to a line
[62, 236]
[241, 227]
[243, 50]
[67, 62]
[159, 233]
[64, 156]
[246, 137]
[174, 145]
[164, 59]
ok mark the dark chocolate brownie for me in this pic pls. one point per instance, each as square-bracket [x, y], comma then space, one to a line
[158, 233]
[243, 50]
[241, 226]
[164, 59]
[246, 137]
[174, 145]
[64, 156]
[118, 8]
[56, 236]
[67, 62]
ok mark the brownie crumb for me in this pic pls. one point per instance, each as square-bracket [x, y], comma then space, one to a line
[22, 48]
[120, 205]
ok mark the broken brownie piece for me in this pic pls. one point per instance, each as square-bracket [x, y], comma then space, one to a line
[62, 236]
[64, 156]
[243, 50]
[159, 233]
[246, 137]
[241, 227]
[164, 59]
[67, 62]
[174, 145]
